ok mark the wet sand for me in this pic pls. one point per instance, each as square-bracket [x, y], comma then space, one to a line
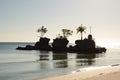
[100, 73]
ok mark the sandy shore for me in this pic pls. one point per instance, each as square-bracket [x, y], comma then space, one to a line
[94, 73]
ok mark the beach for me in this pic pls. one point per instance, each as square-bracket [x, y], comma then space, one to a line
[94, 73]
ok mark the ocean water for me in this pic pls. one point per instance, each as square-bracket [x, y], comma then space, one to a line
[29, 65]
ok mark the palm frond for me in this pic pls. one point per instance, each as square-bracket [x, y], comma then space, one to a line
[81, 29]
[42, 30]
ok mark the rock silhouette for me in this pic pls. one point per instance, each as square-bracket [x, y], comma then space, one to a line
[60, 45]
[86, 46]
[43, 44]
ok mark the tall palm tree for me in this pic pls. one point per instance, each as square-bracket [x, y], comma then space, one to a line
[81, 29]
[66, 33]
[42, 30]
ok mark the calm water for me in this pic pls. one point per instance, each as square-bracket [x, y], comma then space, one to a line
[28, 65]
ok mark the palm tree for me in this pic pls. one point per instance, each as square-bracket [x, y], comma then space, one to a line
[66, 33]
[42, 30]
[81, 29]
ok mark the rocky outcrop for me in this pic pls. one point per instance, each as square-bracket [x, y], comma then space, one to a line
[60, 45]
[42, 44]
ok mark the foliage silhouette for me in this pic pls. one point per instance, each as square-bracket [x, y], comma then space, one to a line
[42, 30]
[65, 34]
[81, 29]
[60, 43]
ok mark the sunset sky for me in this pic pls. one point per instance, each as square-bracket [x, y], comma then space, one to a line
[19, 19]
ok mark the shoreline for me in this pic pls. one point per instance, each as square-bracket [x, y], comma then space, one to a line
[90, 73]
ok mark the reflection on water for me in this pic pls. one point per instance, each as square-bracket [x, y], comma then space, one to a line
[63, 60]
[85, 59]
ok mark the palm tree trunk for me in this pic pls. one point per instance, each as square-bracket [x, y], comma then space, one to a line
[81, 35]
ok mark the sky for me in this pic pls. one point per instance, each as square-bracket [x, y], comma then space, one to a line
[19, 19]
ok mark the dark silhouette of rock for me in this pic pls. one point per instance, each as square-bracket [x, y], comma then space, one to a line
[28, 47]
[60, 44]
[42, 44]
[86, 45]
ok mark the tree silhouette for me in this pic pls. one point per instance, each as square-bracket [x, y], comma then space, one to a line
[81, 29]
[66, 33]
[42, 31]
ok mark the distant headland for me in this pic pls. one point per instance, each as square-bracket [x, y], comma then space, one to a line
[60, 43]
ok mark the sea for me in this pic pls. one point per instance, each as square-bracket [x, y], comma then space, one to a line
[33, 64]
